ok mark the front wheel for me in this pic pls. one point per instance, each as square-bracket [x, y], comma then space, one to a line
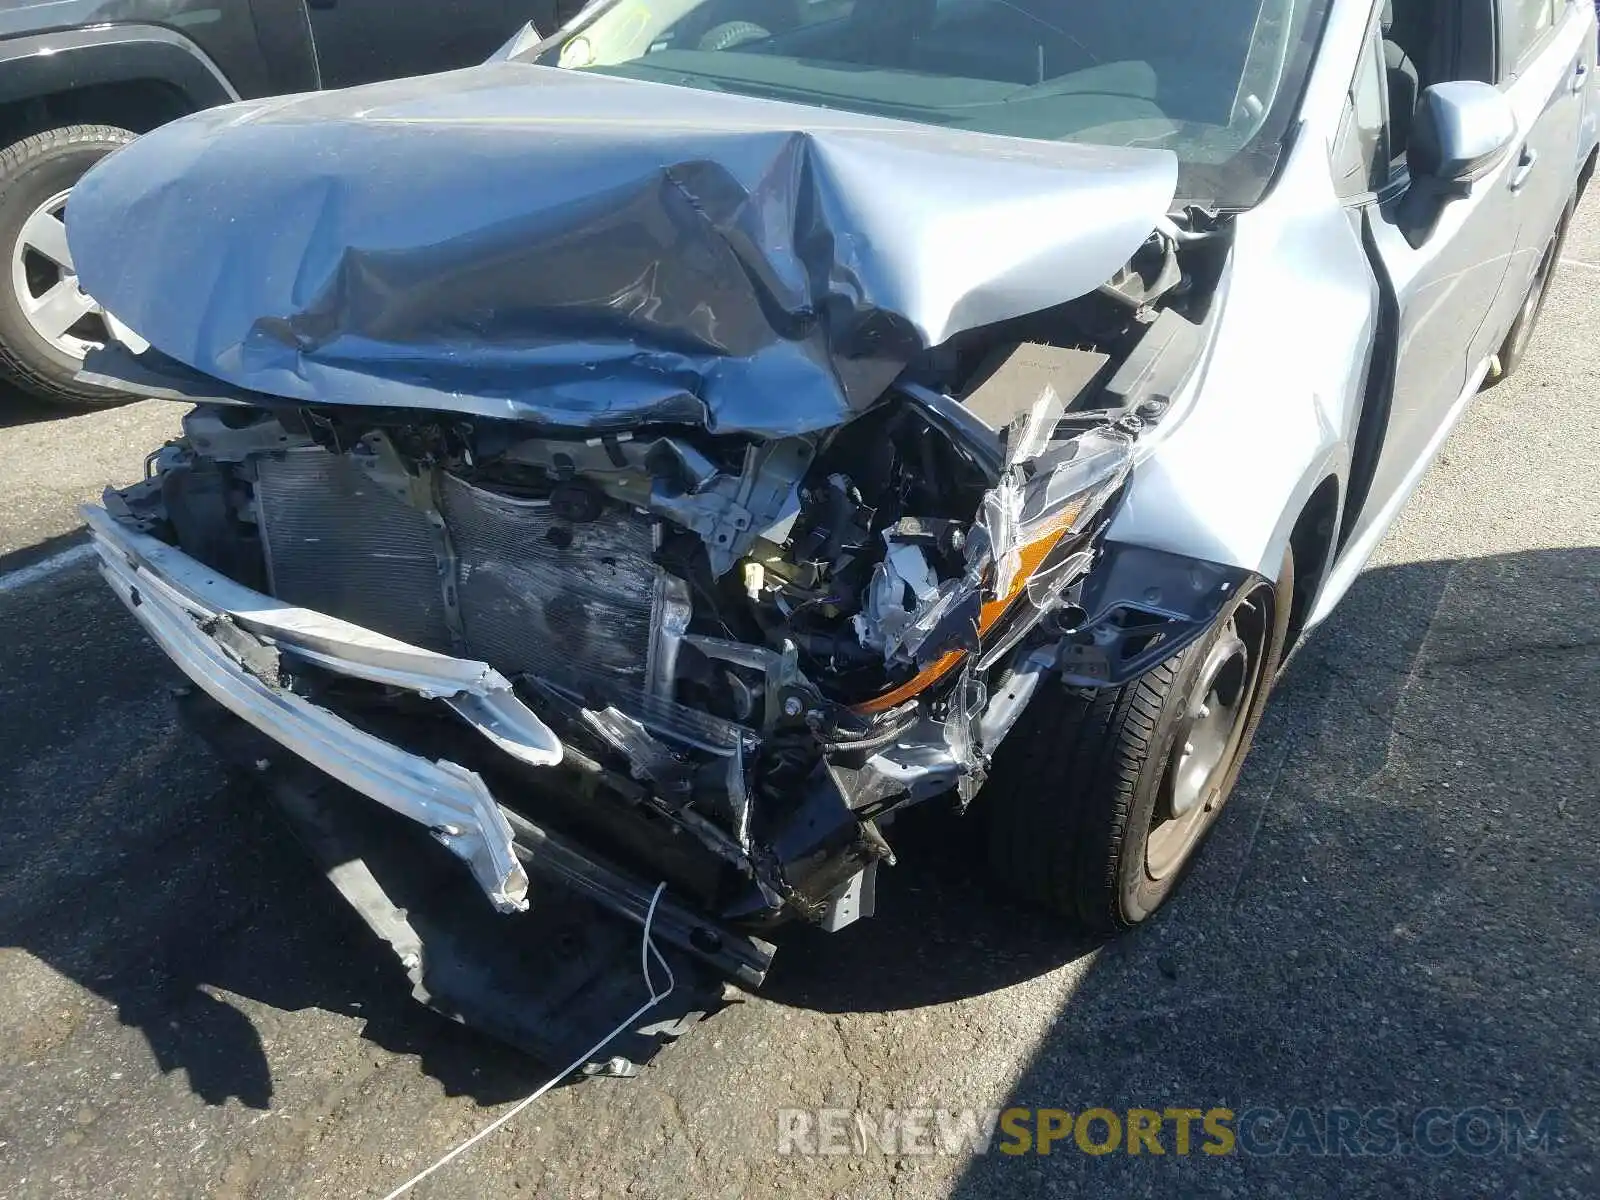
[1097, 804]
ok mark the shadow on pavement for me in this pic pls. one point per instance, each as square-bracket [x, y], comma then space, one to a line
[938, 935]
[27, 556]
[1395, 911]
[19, 408]
[1398, 913]
[131, 865]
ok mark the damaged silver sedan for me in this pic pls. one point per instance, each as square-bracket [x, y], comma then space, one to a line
[670, 451]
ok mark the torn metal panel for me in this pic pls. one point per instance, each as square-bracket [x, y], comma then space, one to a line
[501, 718]
[590, 252]
[1010, 695]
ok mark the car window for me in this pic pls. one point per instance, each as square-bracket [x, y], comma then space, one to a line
[1523, 24]
[1219, 92]
[1361, 151]
[632, 29]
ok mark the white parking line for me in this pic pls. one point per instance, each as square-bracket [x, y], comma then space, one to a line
[23, 577]
[1578, 262]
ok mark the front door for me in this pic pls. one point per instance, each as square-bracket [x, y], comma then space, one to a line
[1456, 291]
[1545, 73]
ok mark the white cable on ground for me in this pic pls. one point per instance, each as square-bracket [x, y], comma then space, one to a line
[646, 949]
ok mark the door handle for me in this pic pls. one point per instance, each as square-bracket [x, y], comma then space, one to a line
[1519, 177]
[1580, 77]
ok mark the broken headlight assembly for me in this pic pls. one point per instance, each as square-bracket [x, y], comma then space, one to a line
[1022, 553]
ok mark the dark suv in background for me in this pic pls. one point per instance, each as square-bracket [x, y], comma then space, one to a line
[78, 78]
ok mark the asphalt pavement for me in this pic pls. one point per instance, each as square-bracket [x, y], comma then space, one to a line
[1395, 927]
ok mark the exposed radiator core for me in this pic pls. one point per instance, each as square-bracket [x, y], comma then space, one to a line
[550, 595]
[337, 542]
[532, 593]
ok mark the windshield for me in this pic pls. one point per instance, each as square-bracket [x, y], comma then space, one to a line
[1216, 83]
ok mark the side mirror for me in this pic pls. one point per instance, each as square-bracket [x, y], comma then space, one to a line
[1461, 132]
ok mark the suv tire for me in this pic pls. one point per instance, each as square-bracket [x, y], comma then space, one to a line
[35, 173]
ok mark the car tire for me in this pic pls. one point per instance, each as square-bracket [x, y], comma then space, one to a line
[35, 175]
[1515, 348]
[1088, 783]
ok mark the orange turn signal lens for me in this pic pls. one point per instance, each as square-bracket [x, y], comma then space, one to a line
[1042, 539]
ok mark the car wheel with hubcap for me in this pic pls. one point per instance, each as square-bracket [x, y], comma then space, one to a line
[47, 322]
[1098, 801]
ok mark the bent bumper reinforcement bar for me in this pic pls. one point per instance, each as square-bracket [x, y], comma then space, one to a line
[225, 637]
[209, 625]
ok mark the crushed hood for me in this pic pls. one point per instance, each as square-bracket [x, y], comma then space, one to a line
[587, 251]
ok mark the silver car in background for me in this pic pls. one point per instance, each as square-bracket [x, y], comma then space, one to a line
[672, 450]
